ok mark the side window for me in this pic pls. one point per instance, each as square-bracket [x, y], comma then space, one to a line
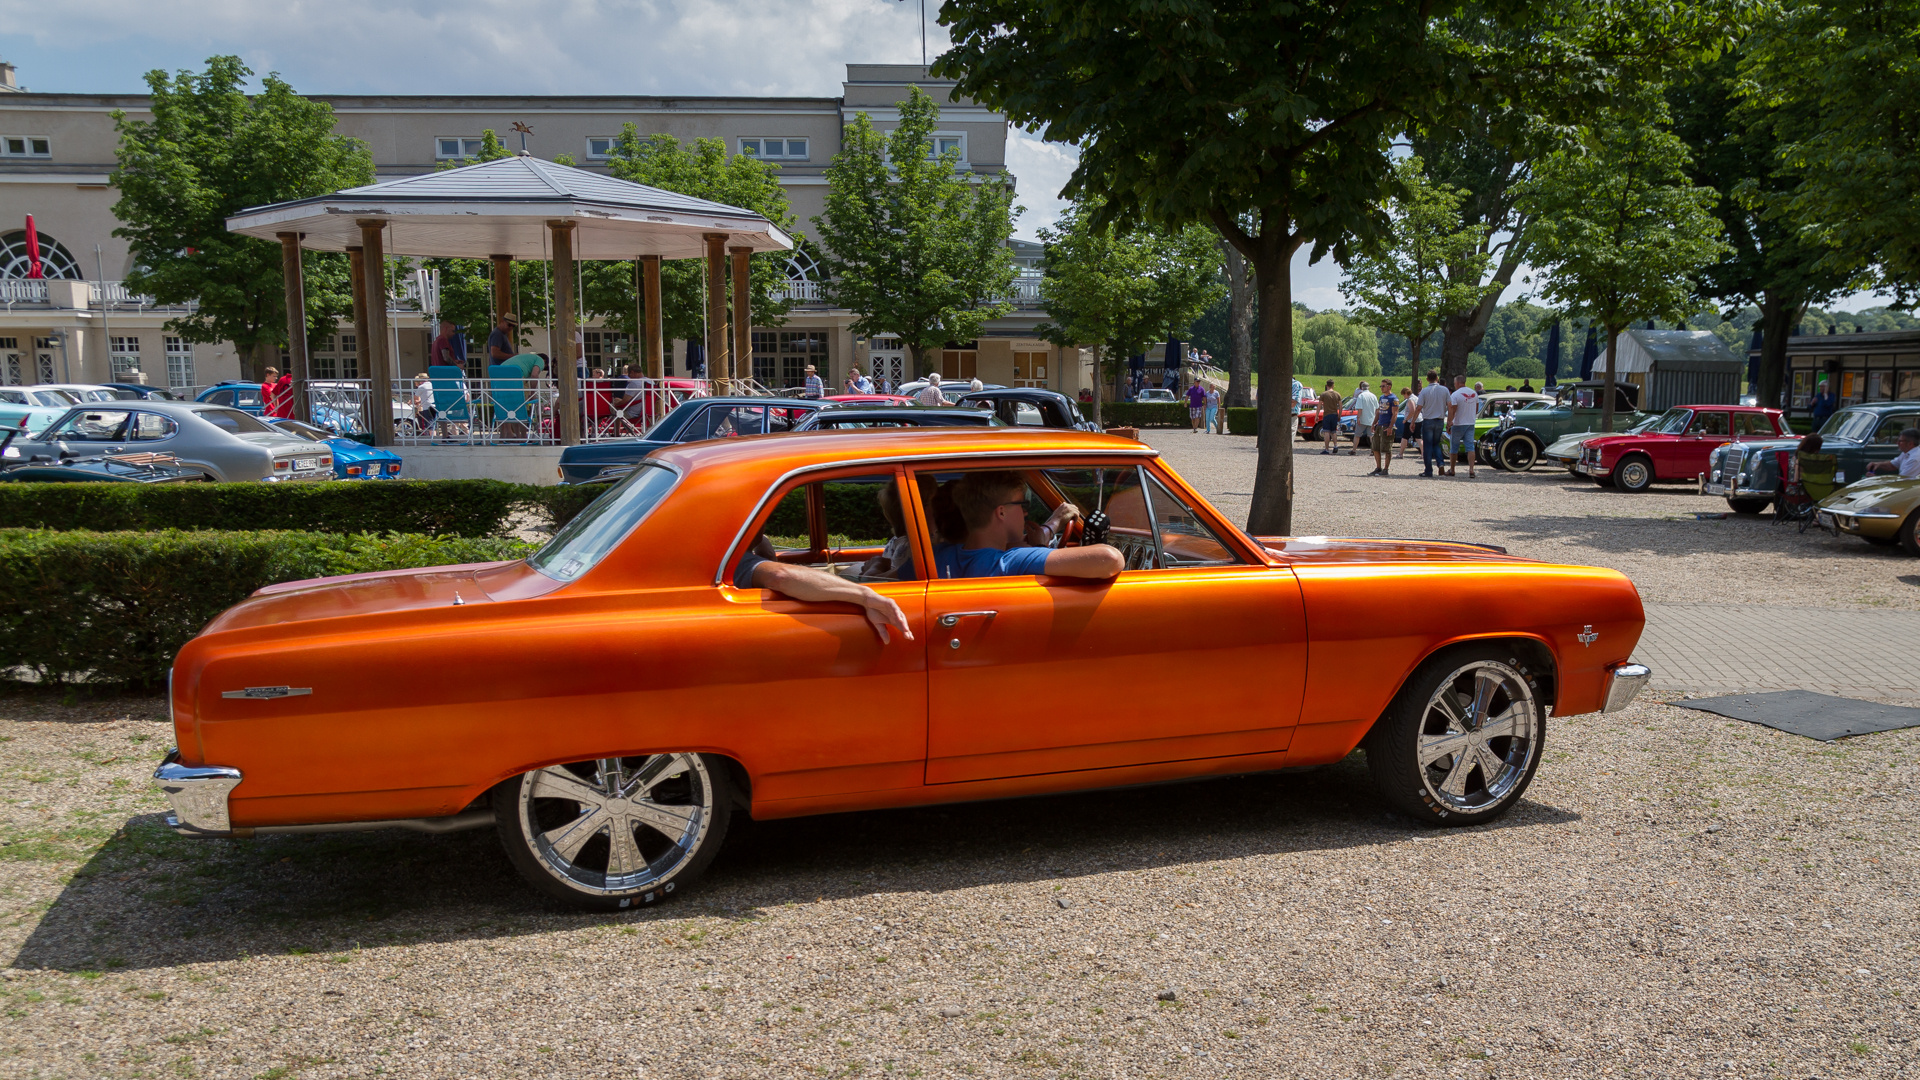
[1118, 492]
[1752, 423]
[150, 426]
[95, 425]
[1185, 539]
[851, 526]
[1888, 433]
[220, 397]
[1708, 423]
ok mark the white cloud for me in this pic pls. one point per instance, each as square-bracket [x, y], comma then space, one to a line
[1042, 169]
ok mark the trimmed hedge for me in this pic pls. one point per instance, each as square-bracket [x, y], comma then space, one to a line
[116, 607]
[471, 508]
[1243, 421]
[1142, 414]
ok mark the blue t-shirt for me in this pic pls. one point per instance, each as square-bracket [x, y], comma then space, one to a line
[954, 561]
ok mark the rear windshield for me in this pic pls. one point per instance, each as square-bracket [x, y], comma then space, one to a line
[606, 521]
[235, 421]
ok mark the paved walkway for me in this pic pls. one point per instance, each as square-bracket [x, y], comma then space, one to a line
[1728, 648]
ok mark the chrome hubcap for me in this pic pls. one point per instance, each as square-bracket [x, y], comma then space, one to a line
[1478, 736]
[1633, 474]
[617, 825]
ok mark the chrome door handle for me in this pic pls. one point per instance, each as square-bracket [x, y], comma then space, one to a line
[952, 618]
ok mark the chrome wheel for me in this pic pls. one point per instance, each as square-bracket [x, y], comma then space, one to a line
[1633, 474]
[1478, 737]
[615, 831]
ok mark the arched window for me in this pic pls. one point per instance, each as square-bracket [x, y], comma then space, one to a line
[55, 260]
[801, 266]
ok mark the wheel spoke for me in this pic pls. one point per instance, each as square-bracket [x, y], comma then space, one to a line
[1510, 721]
[623, 856]
[1450, 708]
[1435, 747]
[567, 840]
[672, 822]
[1455, 784]
[557, 783]
[656, 769]
[1483, 688]
[1491, 765]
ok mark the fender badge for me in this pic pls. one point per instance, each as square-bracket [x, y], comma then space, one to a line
[1586, 637]
[266, 692]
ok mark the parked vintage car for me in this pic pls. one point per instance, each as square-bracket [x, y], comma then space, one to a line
[128, 391]
[1306, 422]
[1747, 474]
[951, 389]
[599, 702]
[1493, 409]
[84, 393]
[1519, 439]
[1030, 406]
[1159, 395]
[70, 467]
[1565, 451]
[32, 408]
[691, 421]
[851, 417]
[1859, 435]
[1676, 448]
[220, 443]
[351, 460]
[868, 399]
[1879, 509]
[335, 406]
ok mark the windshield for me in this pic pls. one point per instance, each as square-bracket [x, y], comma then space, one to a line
[1645, 425]
[1673, 421]
[55, 398]
[235, 421]
[1848, 425]
[593, 532]
[305, 431]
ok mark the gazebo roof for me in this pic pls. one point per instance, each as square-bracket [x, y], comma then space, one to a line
[501, 208]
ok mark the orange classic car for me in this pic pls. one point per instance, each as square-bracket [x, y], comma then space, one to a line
[610, 703]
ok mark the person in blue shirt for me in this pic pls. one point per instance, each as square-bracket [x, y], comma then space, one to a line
[1824, 403]
[1001, 542]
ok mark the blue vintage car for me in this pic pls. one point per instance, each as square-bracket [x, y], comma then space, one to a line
[351, 460]
[690, 421]
[32, 408]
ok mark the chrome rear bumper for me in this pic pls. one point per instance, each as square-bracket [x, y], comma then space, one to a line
[1624, 683]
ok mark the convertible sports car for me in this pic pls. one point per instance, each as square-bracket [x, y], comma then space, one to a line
[595, 702]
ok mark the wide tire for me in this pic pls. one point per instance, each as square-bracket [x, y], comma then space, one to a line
[1634, 473]
[615, 833]
[1749, 506]
[1909, 534]
[1518, 453]
[1463, 738]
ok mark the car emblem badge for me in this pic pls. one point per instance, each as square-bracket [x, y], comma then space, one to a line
[1587, 637]
[261, 693]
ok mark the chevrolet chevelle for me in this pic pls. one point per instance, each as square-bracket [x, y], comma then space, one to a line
[609, 703]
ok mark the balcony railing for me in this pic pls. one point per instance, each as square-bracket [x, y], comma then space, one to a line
[1025, 293]
[23, 291]
[114, 295]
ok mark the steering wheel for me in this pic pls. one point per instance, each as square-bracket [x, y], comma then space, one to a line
[1069, 535]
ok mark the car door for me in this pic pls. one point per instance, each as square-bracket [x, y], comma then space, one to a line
[1687, 455]
[1036, 674]
[1884, 443]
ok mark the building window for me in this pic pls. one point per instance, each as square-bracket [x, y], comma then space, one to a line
[55, 260]
[455, 149]
[606, 350]
[338, 357]
[13, 374]
[43, 357]
[179, 362]
[125, 353]
[954, 141]
[600, 147]
[780, 357]
[26, 146]
[775, 149]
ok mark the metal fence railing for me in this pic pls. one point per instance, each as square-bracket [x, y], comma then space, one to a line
[505, 412]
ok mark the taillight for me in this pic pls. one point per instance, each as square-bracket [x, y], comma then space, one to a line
[326, 463]
[354, 470]
[281, 466]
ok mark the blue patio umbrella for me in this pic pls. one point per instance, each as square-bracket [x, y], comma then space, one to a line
[1753, 360]
[1550, 356]
[1170, 363]
[696, 360]
[1588, 355]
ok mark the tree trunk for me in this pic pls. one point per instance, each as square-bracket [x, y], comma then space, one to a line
[1463, 332]
[1239, 330]
[1272, 511]
[257, 355]
[1776, 326]
[1613, 374]
[919, 354]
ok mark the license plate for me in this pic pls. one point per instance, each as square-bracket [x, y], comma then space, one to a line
[1716, 489]
[1825, 520]
[1580, 467]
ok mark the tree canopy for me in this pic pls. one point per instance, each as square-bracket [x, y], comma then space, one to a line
[911, 245]
[1427, 268]
[210, 151]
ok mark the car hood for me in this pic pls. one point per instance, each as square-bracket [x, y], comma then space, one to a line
[348, 450]
[1332, 549]
[381, 592]
[1898, 493]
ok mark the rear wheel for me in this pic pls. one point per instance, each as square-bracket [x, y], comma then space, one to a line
[1634, 473]
[1749, 506]
[1518, 453]
[615, 832]
[1462, 739]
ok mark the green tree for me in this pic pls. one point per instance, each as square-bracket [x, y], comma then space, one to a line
[1121, 290]
[1620, 231]
[1427, 267]
[912, 246]
[1836, 87]
[1331, 344]
[210, 151]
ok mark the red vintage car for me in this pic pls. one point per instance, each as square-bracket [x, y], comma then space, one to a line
[1308, 422]
[1676, 447]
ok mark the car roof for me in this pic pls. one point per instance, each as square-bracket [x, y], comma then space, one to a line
[748, 399]
[1879, 406]
[1014, 392]
[895, 412]
[806, 449]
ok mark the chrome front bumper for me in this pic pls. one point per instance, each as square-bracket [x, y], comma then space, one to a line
[1624, 683]
[198, 794]
[1738, 491]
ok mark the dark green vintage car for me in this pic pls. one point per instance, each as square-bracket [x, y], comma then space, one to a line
[69, 468]
[1859, 435]
[1523, 435]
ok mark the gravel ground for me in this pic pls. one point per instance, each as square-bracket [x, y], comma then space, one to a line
[1679, 895]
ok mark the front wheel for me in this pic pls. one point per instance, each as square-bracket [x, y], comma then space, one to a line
[1462, 740]
[615, 833]
[1634, 473]
[1518, 453]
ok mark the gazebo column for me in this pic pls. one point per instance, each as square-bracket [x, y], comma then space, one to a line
[565, 364]
[717, 358]
[362, 321]
[650, 321]
[502, 301]
[379, 364]
[296, 286]
[742, 313]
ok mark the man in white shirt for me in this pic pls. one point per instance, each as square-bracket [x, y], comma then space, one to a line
[1907, 462]
[1433, 422]
[1463, 408]
[930, 394]
[1365, 404]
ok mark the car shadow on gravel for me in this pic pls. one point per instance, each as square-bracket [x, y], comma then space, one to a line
[150, 898]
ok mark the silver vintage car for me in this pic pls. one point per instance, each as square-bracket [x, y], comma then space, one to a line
[223, 443]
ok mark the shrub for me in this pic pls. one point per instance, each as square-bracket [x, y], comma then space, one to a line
[1143, 414]
[1243, 421]
[116, 607]
[471, 508]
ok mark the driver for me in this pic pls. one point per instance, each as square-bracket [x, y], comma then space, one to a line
[1000, 541]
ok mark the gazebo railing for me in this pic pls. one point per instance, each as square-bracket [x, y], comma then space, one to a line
[503, 412]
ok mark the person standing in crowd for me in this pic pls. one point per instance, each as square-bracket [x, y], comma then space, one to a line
[930, 394]
[816, 386]
[1329, 417]
[444, 351]
[1463, 408]
[1365, 405]
[501, 344]
[1824, 403]
[1433, 421]
[1216, 417]
[1196, 405]
[423, 410]
[1383, 417]
[1409, 416]
[273, 388]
